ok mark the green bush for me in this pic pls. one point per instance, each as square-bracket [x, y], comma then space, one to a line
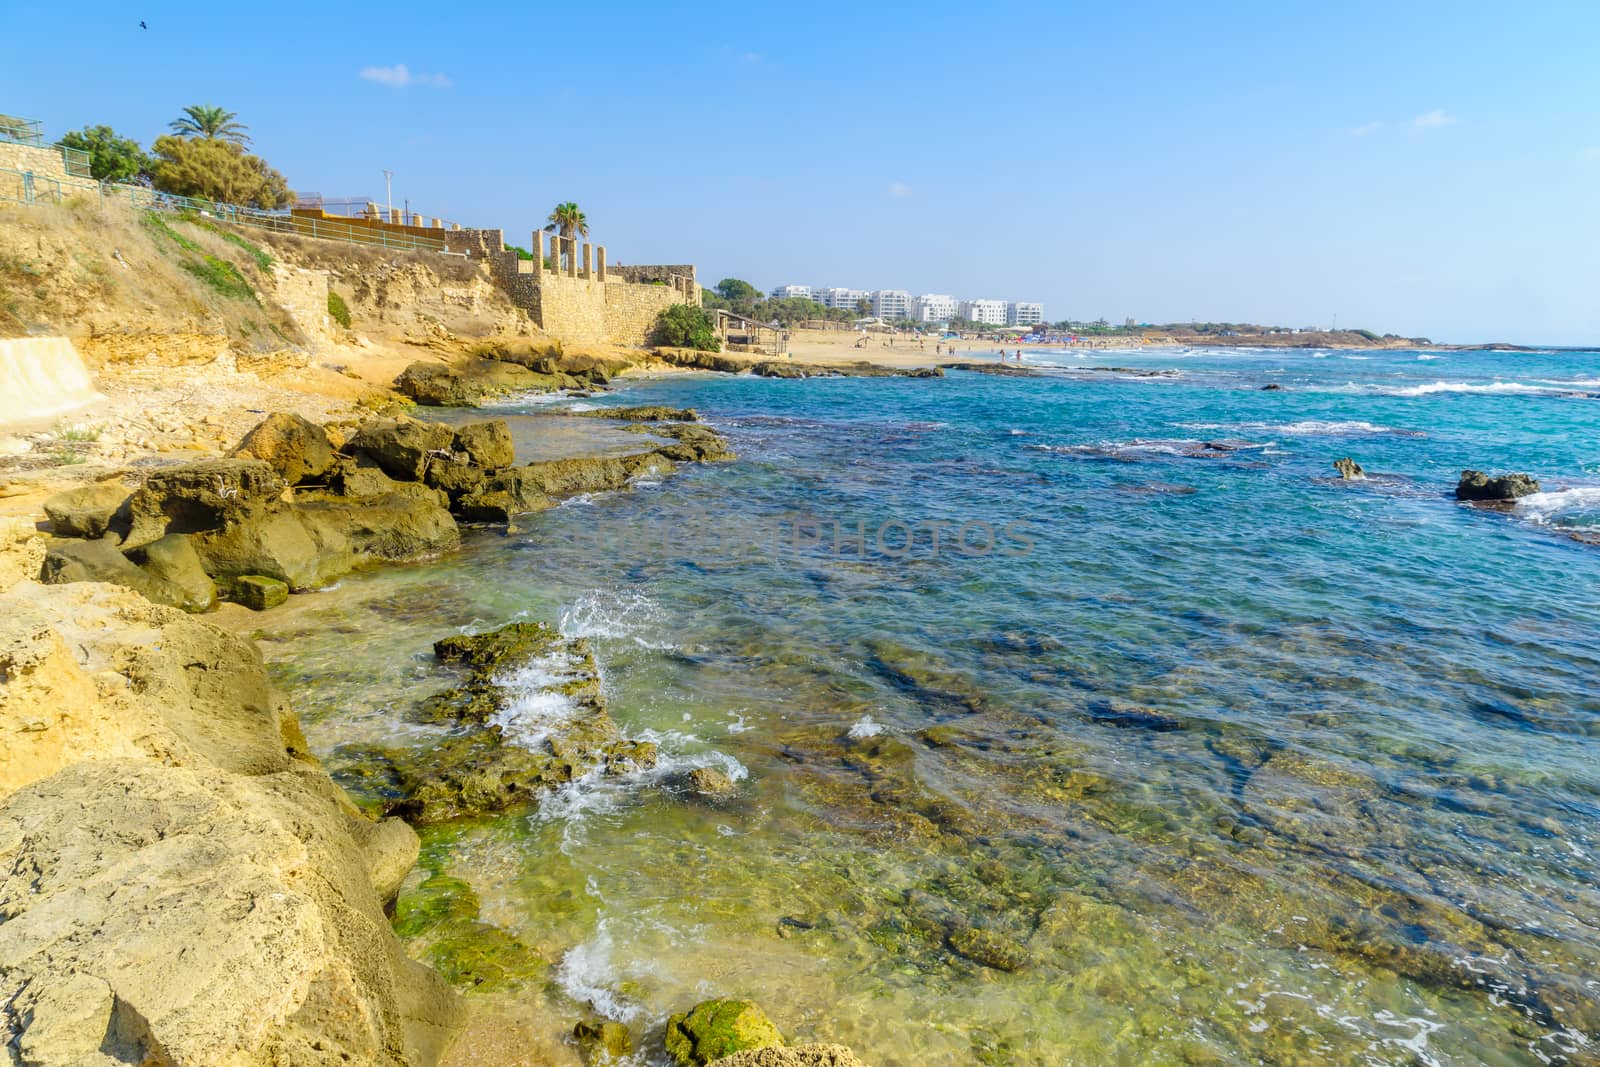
[685, 326]
[338, 310]
[158, 226]
[111, 157]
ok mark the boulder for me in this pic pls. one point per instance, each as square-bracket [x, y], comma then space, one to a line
[402, 447]
[495, 505]
[296, 448]
[1271, 387]
[200, 497]
[1348, 468]
[258, 593]
[487, 444]
[174, 561]
[714, 1029]
[87, 511]
[793, 1056]
[709, 783]
[455, 480]
[395, 527]
[471, 382]
[1476, 485]
[102, 561]
[281, 545]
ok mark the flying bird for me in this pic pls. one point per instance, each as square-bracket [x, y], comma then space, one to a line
[142, 26]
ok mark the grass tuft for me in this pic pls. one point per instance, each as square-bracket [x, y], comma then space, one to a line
[222, 277]
[338, 310]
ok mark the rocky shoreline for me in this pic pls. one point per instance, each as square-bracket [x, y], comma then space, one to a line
[158, 803]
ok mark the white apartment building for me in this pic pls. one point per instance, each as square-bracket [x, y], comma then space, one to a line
[933, 307]
[836, 297]
[990, 312]
[789, 292]
[1024, 314]
[891, 304]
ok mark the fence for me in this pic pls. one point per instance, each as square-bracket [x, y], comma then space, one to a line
[26, 187]
[30, 132]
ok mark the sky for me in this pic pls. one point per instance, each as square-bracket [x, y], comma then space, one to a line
[1426, 169]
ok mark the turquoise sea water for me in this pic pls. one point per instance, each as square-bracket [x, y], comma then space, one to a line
[1228, 760]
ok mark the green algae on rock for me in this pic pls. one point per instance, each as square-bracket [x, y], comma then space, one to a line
[717, 1028]
[495, 765]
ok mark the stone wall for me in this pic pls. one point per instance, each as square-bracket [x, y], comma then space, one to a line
[631, 310]
[49, 171]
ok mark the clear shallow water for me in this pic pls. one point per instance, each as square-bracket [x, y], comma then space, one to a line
[1237, 762]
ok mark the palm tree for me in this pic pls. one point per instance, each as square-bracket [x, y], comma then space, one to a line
[211, 123]
[571, 223]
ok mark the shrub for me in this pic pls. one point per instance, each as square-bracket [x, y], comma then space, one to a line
[217, 170]
[685, 326]
[338, 310]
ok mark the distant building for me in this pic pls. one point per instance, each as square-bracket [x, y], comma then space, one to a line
[891, 304]
[840, 298]
[989, 312]
[792, 292]
[1024, 314]
[933, 307]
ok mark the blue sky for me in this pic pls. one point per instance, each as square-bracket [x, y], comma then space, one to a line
[1417, 168]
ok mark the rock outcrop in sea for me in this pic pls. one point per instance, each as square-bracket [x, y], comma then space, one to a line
[1476, 485]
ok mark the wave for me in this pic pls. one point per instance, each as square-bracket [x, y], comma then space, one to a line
[1430, 388]
[601, 792]
[538, 708]
[1563, 508]
[865, 727]
[587, 974]
[1307, 428]
[617, 615]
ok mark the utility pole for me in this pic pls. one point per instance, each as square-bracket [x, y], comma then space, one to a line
[388, 195]
[1335, 327]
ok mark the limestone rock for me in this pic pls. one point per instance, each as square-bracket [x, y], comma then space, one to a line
[469, 383]
[86, 511]
[1475, 485]
[173, 561]
[22, 552]
[180, 884]
[645, 413]
[989, 949]
[793, 1056]
[402, 447]
[1348, 468]
[258, 593]
[487, 444]
[714, 1029]
[200, 497]
[296, 448]
[456, 480]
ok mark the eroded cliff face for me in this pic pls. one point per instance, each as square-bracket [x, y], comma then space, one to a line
[180, 882]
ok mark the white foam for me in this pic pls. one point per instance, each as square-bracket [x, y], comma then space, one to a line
[616, 614]
[865, 727]
[587, 974]
[1563, 507]
[536, 710]
[1304, 428]
[1431, 388]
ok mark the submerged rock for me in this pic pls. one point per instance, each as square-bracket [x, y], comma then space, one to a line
[604, 1041]
[714, 1029]
[793, 1056]
[1476, 485]
[987, 948]
[483, 769]
[1348, 468]
[645, 413]
[709, 783]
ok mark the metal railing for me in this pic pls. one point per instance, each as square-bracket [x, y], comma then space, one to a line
[26, 187]
[22, 131]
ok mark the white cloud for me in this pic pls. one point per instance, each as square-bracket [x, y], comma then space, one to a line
[1592, 152]
[1432, 120]
[399, 76]
[750, 59]
[899, 190]
[1366, 128]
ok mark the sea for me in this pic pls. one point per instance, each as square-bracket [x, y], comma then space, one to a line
[1082, 717]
